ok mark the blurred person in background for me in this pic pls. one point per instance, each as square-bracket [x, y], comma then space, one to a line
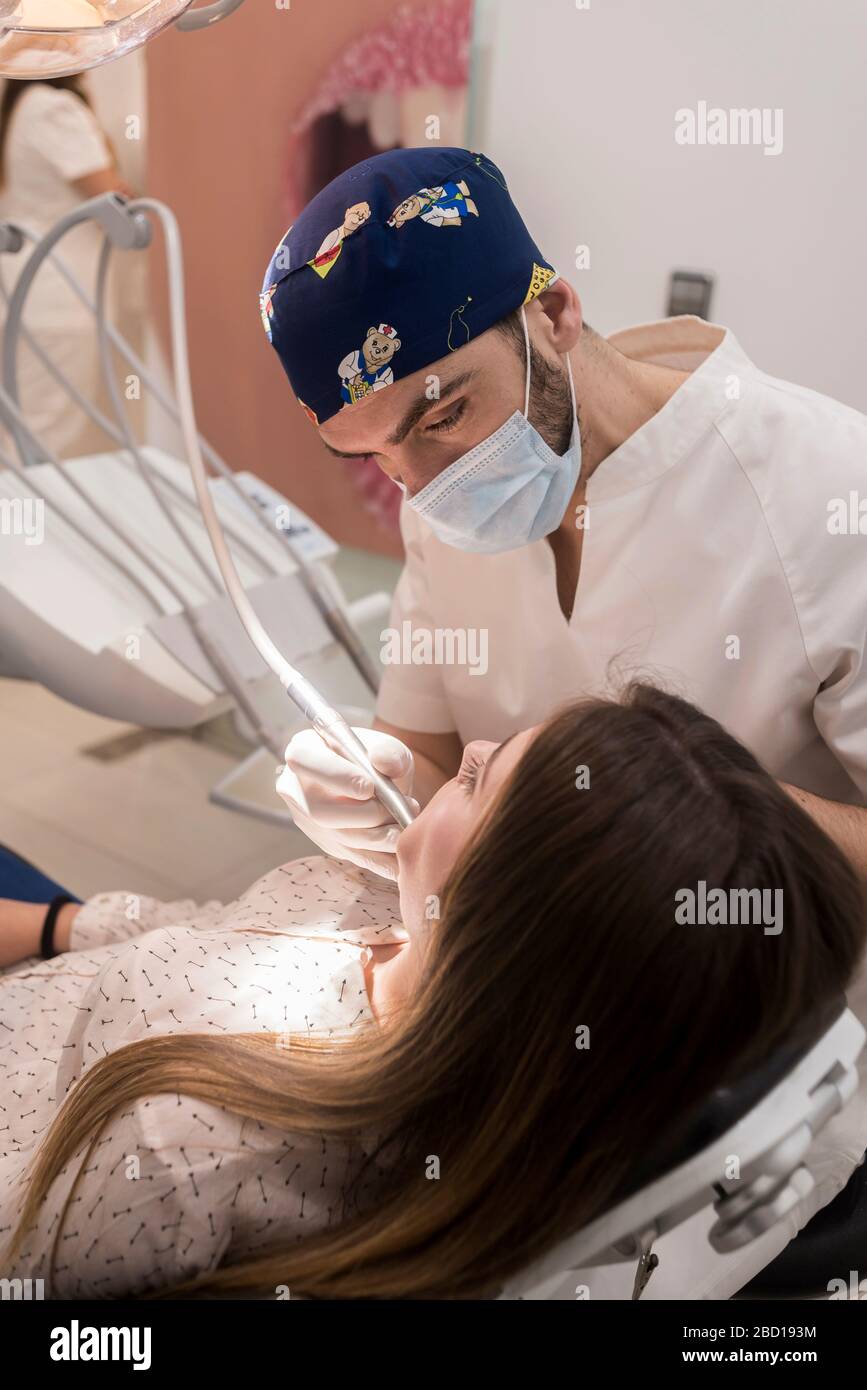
[54, 154]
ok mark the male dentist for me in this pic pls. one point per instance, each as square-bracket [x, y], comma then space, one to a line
[648, 504]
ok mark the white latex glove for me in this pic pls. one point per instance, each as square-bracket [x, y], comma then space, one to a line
[332, 800]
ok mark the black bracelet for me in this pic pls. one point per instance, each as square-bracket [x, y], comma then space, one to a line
[46, 943]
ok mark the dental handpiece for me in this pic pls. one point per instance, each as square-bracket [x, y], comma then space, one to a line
[328, 723]
[341, 738]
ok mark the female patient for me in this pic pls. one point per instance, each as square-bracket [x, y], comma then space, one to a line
[231, 1099]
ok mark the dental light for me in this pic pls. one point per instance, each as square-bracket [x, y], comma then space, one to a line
[126, 225]
[55, 38]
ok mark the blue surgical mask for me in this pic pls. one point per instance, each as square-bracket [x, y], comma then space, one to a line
[509, 490]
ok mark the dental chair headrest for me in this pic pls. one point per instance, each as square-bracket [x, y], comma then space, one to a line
[768, 1118]
[728, 1104]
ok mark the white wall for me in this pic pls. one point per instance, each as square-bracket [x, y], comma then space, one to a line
[118, 92]
[577, 106]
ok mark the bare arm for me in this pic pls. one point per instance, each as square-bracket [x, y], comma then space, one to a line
[437, 757]
[107, 180]
[21, 929]
[846, 825]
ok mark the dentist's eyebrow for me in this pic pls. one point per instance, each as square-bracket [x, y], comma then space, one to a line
[412, 417]
[423, 405]
[339, 454]
[492, 759]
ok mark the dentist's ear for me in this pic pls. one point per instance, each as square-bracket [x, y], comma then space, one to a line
[560, 317]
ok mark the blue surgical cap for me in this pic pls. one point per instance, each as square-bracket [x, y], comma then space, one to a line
[393, 265]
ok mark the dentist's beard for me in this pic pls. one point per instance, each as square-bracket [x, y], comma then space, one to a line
[550, 401]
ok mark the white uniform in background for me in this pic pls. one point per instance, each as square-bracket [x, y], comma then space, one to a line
[53, 138]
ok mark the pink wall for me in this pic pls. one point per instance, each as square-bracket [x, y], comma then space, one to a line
[220, 104]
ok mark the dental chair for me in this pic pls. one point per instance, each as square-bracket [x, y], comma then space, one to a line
[109, 595]
[768, 1123]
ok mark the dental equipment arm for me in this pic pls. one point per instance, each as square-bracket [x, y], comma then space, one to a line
[126, 226]
[207, 15]
[110, 214]
[328, 723]
[316, 581]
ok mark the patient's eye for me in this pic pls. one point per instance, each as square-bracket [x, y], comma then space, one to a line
[471, 766]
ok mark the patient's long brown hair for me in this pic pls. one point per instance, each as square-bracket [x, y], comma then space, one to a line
[560, 913]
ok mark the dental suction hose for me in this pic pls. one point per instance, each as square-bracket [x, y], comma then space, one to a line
[328, 723]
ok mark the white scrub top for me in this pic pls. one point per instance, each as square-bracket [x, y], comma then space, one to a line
[53, 138]
[722, 558]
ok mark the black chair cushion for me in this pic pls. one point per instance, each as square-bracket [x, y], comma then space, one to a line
[728, 1104]
[830, 1245]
